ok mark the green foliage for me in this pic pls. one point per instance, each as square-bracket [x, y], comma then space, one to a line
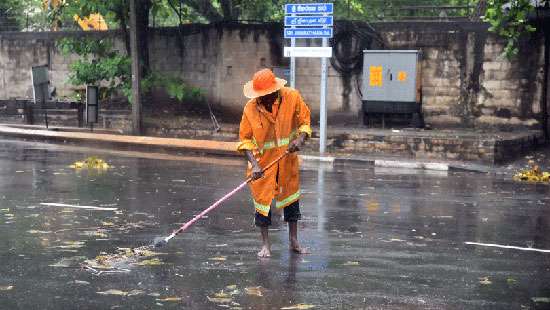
[86, 46]
[21, 14]
[101, 64]
[174, 87]
[509, 23]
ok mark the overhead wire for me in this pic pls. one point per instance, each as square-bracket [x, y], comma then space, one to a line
[351, 38]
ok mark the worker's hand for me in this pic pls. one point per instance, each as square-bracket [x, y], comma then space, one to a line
[257, 171]
[297, 143]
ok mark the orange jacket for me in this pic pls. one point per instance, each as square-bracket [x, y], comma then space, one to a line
[267, 135]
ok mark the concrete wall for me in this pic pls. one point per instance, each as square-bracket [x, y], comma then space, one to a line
[465, 81]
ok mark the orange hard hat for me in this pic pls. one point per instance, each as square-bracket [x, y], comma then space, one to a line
[263, 82]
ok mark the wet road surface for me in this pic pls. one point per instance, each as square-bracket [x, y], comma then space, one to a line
[380, 238]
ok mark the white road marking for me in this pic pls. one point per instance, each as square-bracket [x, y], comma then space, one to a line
[53, 204]
[507, 247]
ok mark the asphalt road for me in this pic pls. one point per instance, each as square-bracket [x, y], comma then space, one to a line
[380, 238]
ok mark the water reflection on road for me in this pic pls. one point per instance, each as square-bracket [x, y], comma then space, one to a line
[379, 237]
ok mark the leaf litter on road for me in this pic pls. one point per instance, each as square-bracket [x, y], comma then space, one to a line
[124, 258]
[117, 292]
[169, 299]
[299, 307]
[254, 291]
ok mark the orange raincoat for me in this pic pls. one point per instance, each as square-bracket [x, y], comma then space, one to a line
[267, 135]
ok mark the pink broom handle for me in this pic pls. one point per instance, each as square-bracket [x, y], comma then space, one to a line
[217, 203]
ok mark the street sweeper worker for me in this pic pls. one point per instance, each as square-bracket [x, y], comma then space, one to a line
[275, 120]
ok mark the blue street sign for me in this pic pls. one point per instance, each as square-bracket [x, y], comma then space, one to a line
[310, 33]
[309, 8]
[308, 20]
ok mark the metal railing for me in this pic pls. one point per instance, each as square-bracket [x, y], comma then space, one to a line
[8, 23]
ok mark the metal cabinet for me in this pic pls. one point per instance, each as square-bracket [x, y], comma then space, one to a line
[390, 84]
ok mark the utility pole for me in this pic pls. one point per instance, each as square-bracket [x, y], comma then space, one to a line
[136, 68]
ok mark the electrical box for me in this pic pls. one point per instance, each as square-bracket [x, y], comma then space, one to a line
[390, 82]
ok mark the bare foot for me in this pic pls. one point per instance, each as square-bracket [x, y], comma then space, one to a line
[296, 248]
[264, 252]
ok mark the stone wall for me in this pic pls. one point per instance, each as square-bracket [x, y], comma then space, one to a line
[218, 60]
[465, 81]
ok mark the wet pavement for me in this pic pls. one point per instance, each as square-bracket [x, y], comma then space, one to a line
[381, 238]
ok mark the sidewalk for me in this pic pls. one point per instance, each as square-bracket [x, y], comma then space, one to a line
[106, 138]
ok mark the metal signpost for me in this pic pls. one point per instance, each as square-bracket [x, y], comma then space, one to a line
[310, 21]
[92, 105]
[40, 83]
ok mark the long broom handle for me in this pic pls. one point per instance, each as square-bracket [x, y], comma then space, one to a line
[224, 198]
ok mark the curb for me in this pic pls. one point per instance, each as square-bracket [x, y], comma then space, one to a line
[142, 143]
[411, 165]
[470, 168]
[148, 144]
[321, 159]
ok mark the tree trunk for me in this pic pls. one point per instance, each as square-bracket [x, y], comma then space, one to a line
[142, 19]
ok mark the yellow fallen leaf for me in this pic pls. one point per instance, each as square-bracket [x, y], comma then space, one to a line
[77, 165]
[113, 292]
[6, 288]
[222, 294]
[373, 206]
[255, 291]
[135, 292]
[151, 262]
[71, 245]
[32, 231]
[145, 252]
[231, 287]
[107, 223]
[299, 307]
[218, 300]
[100, 235]
[172, 299]
[532, 175]
[218, 258]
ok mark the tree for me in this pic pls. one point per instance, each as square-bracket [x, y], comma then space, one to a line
[510, 19]
[101, 63]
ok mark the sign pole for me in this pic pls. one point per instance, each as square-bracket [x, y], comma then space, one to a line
[293, 62]
[311, 20]
[44, 103]
[323, 105]
[293, 65]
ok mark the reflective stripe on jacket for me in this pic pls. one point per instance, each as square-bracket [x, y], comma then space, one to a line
[267, 135]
